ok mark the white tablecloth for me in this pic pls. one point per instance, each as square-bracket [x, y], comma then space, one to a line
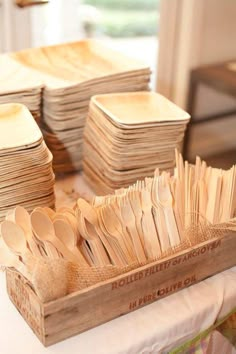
[155, 328]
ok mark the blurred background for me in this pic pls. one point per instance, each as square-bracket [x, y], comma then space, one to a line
[174, 37]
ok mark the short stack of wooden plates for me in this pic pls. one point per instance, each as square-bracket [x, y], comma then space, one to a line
[26, 175]
[19, 84]
[128, 135]
[72, 73]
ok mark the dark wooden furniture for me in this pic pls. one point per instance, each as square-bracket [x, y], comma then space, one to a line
[219, 77]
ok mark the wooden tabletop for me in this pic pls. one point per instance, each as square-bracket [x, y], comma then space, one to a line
[219, 76]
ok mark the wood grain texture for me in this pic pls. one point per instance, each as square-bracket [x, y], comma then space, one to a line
[26, 302]
[80, 311]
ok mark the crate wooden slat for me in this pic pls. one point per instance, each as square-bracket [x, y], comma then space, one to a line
[80, 311]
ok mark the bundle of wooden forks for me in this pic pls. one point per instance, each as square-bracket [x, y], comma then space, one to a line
[149, 218]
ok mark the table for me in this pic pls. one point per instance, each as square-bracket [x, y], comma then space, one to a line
[156, 328]
[220, 77]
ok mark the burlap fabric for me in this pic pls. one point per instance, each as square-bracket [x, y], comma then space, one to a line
[52, 279]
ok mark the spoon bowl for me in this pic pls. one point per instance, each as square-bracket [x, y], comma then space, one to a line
[44, 230]
[22, 219]
[66, 235]
[14, 237]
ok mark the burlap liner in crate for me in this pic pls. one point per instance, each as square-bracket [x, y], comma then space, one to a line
[53, 279]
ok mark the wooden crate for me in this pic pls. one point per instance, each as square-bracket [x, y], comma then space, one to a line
[80, 311]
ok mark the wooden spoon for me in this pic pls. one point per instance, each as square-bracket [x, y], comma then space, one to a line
[115, 253]
[88, 211]
[44, 231]
[114, 231]
[63, 210]
[66, 235]
[14, 238]
[48, 248]
[94, 232]
[71, 219]
[98, 251]
[88, 253]
[9, 260]
[22, 218]
[94, 227]
[51, 213]
[10, 215]
[59, 217]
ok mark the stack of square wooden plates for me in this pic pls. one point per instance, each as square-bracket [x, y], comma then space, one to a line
[128, 135]
[19, 84]
[72, 73]
[26, 175]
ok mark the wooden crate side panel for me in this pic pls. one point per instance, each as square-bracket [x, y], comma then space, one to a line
[26, 302]
[87, 309]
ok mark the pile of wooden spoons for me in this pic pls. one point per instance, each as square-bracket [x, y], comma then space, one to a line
[44, 233]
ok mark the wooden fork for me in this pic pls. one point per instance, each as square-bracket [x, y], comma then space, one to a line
[151, 238]
[165, 200]
[129, 222]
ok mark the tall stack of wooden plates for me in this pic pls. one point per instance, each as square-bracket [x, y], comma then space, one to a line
[19, 84]
[26, 175]
[128, 135]
[72, 73]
